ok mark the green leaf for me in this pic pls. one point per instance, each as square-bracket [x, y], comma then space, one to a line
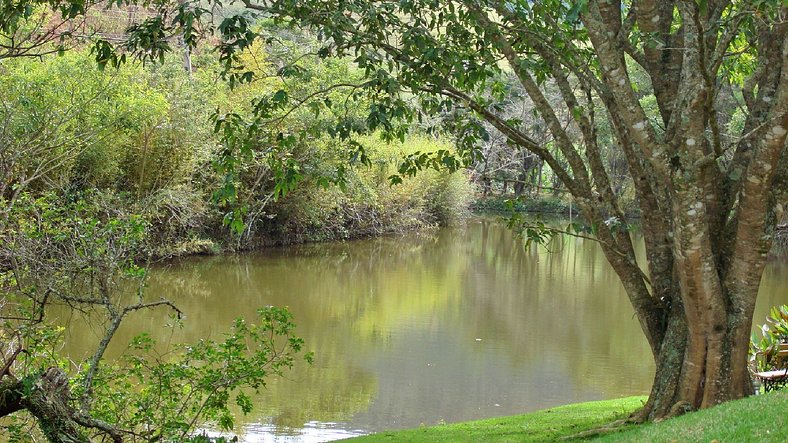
[280, 97]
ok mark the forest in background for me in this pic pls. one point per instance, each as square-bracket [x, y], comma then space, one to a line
[139, 140]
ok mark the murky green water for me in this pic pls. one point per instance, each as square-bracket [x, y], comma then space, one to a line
[453, 325]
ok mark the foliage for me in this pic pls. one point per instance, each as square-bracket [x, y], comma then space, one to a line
[774, 332]
[82, 241]
[366, 204]
[166, 396]
[69, 125]
[448, 198]
[143, 133]
[36, 105]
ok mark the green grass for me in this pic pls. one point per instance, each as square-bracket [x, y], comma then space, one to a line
[762, 418]
[547, 425]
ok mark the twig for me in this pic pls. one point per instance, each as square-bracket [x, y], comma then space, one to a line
[7, 368]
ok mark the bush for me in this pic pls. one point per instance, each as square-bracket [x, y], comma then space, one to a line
[366, 203]
[73, 125]
[449, 197]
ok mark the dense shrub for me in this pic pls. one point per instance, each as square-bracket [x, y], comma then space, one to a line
[367, 204]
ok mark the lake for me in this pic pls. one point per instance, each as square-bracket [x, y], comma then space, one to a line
[426, 328]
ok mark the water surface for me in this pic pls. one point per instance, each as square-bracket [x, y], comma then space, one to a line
[450, 325]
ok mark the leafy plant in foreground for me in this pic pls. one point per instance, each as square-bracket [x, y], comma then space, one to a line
[167, 396]
[764, 349]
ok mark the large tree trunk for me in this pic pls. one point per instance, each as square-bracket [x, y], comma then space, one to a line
[692, 371]
[718, 228]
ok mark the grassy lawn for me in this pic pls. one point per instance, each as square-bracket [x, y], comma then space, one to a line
[762, 418]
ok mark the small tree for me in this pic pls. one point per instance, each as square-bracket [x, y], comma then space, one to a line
[81, 253]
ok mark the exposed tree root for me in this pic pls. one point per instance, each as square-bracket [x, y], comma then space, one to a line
[679, 408]
[638, 417]
[606, 429]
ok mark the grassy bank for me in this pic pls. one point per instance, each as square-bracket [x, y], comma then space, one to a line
[546, 425]
[760, 418]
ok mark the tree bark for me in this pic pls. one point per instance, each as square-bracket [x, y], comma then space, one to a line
[709, 280]
[48, 401]
[47, 397]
